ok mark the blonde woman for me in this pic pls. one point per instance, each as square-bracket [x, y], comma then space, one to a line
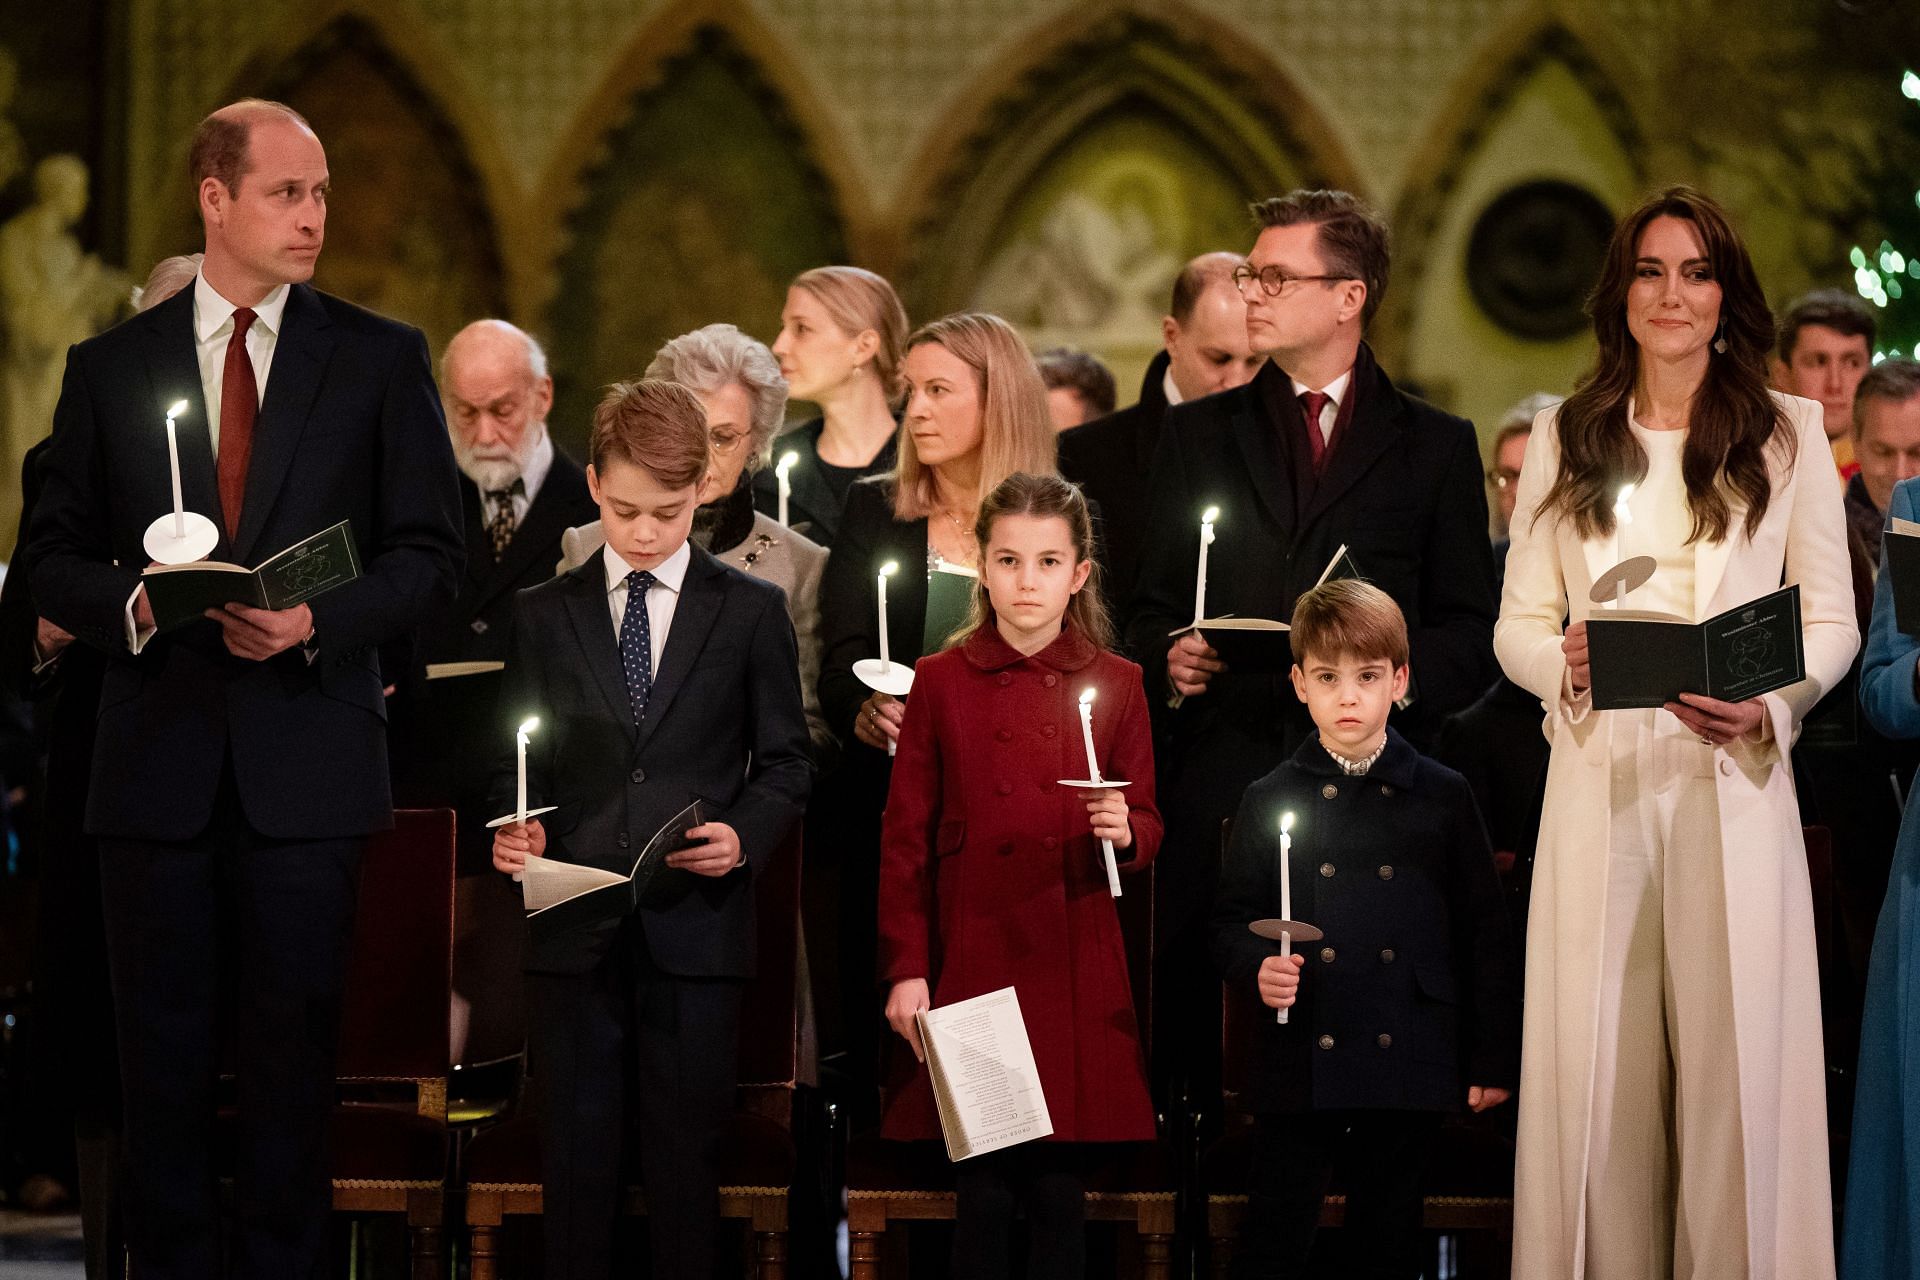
[842, 335]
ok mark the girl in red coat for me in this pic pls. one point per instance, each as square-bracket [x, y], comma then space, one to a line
[991, 873]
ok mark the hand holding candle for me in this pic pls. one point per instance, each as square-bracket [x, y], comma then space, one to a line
[780, 472]
[1093, 776]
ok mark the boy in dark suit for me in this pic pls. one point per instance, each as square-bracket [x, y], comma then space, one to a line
[660, 676]
[1408, 1007]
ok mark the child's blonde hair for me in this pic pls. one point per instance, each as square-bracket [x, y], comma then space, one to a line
[1348, 618]
[1042, 497]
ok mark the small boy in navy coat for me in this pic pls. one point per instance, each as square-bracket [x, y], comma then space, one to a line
[1408, 1008]
[660, 676]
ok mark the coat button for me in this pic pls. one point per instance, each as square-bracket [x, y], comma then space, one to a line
[1003, 788]
[1386, 873]
[1004, 735]
[637, 777]
[1006, 847]
[1329, 791]
[1326, 955]
[1051, 681]
[1046, 731]
[1385, 790]
[621, 840]
[1050, 843]
[1326, 869]
[1005, 679]
[1726, 768]
[1386, 957]
[1385, 1042]
[479, 626]
[1326, 1042]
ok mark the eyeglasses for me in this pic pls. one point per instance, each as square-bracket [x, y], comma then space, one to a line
[1502, 477]
[726, 442]
[1273, 280]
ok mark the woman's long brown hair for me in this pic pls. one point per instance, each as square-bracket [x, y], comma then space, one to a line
[1042, 497]
[1732, 421]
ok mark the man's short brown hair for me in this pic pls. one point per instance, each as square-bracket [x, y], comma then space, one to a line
[1830, 309]
[219, 147]
[1348, 618]
[656, 425]
[1353, 239]
[1893, 381]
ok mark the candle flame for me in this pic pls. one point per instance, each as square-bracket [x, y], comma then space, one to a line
[177, 408]
[890, 568]
[529, 725]
[1620, 504]
[1209, 515]
[1286, 822]
[1086, 697]
[787, 462]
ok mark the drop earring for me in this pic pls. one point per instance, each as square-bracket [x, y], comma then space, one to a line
[1720, 339]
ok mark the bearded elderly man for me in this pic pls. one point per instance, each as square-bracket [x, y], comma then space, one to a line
[519, 493]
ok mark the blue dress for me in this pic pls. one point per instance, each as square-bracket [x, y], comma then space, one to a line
[1883, 1175]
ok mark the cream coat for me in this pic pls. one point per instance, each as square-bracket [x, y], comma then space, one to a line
[1776, 999]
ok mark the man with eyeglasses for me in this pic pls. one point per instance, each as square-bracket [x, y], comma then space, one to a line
[1320, 450]
[1503, 476]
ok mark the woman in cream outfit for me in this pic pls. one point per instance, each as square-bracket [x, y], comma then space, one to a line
[1672, 1097]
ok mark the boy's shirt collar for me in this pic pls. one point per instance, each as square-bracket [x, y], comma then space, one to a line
[669, 573]
[1397, 765]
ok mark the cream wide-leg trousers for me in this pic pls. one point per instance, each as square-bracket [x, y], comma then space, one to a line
[1665, 1188]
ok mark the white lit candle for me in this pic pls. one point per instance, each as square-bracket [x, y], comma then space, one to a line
[1286, 890]
[527, 726]
[887, 570]
[1207, 518]
[173, 460]
[1623, 514]
[1093, 775]
[787, 461]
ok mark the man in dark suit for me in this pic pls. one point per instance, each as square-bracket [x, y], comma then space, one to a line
[241, 761]
[659, 676]
[1205, 336]
[1319, 450]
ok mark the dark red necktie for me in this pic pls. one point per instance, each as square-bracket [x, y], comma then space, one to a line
[239, 403]
[1313, 402]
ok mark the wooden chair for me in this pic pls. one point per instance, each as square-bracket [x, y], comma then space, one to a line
[503, 1164]
[913, 1181]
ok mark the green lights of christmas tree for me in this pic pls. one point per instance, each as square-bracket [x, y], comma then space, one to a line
[1888, 277]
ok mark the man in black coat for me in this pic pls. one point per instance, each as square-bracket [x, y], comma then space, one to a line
[241, 760]
[1320, 450]
[1205, 336]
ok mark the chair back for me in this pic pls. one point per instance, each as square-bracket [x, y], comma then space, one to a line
[400, 970]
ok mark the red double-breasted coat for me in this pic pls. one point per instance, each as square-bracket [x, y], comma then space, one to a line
[990, 876]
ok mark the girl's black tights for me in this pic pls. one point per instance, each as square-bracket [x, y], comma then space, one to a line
[1045, 1179]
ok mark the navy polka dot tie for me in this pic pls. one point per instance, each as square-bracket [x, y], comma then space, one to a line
[636, 642]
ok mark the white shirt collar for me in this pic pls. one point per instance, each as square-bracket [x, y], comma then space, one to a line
[1167, 385]
[211, 310]
[1336, 390]
[539, 462]
[670, 573]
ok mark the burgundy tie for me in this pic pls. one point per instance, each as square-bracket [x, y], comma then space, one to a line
[1313, 402]
[239, 403]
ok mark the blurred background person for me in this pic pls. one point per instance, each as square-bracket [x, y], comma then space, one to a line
[1826, 346]
[841, 338]
[1079, 387]
[1503, 473]
[1204, 350]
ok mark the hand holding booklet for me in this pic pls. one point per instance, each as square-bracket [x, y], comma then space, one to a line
[985, 1083]
[563, 896]
[1646, 659]
[181, 593]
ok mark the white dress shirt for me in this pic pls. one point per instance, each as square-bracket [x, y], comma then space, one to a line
[662, 597]
[1169, 388]
[1336, 391]
[213, 327]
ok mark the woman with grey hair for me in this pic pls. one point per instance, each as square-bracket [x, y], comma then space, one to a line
[738, 381]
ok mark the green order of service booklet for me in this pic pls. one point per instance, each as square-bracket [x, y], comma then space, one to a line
[1645, 659]
[180, 593]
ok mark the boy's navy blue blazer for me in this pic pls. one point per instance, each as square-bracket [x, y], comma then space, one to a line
[724, 725]
[1412, 996]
